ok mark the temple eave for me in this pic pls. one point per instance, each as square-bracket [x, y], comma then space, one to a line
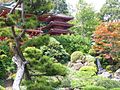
[57, 24]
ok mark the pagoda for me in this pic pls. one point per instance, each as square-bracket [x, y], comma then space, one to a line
[34, 32]
[57, 24]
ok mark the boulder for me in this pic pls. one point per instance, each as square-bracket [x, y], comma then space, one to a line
[77, 66]
[106, 75]
[117, 74]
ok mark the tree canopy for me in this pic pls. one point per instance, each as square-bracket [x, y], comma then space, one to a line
[86, 19]
[110, 10]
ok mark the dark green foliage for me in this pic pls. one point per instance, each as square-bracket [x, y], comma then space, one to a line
[86, 19]
[40, 83]
[60, 7]
[44, 67]
[31, 23]
[109, 84]
[73, 43]
[55, 50]
[51, 68]
[94, 88]
[43, 64]
[5, 32]
[37, 41]
[32, 53]
[5, 59]
[49, 47]
[38, 6]
[11, 20]
[2, 22]
[2, 70]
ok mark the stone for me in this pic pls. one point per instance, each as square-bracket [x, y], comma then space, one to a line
[78, 61]
[70, 64]
[76, 89]
[91, 64]
[86, 64]
[77, 66]
[115, 79]
[117, 74]
[106, 75]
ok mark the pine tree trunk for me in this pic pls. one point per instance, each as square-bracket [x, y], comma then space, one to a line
[20, 71]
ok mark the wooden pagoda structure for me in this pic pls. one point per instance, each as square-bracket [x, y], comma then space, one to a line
[57, 24]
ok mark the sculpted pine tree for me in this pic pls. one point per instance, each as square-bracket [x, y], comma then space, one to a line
[60, 6]
[86, 19]
[18, 57]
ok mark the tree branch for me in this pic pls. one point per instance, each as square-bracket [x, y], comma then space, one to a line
[23, 20]
[21, 34]
[13, 9]
[20, 71]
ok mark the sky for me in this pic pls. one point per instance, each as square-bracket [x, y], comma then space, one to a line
[97, 4]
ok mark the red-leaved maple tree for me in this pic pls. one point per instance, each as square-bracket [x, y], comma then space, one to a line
[107, 40]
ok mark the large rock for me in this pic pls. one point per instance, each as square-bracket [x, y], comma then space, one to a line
[106, 75]
[77, 66]
[117, 74]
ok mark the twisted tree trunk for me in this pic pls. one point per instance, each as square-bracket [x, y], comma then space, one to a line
[18, 58]
[20, 71]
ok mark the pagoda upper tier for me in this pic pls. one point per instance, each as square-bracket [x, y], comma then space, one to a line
[59, 17]
[57, 24]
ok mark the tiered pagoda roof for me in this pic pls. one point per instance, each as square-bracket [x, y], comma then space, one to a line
[59, 17]
[57, 24]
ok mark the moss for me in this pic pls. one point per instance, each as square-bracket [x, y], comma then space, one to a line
[88, 68]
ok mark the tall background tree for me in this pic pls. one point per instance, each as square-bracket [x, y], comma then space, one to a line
[45, 6]
[60, 6]
[38, 6]
[110, 10]
[86, 19]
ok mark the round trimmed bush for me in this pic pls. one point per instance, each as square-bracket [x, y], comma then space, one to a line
[77, 55]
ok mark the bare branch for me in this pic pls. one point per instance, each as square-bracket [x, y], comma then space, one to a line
[13, 32]
[23, 20]
[13, 9]
[21, 34]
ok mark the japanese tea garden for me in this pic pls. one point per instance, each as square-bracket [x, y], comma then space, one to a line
[51, 45]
